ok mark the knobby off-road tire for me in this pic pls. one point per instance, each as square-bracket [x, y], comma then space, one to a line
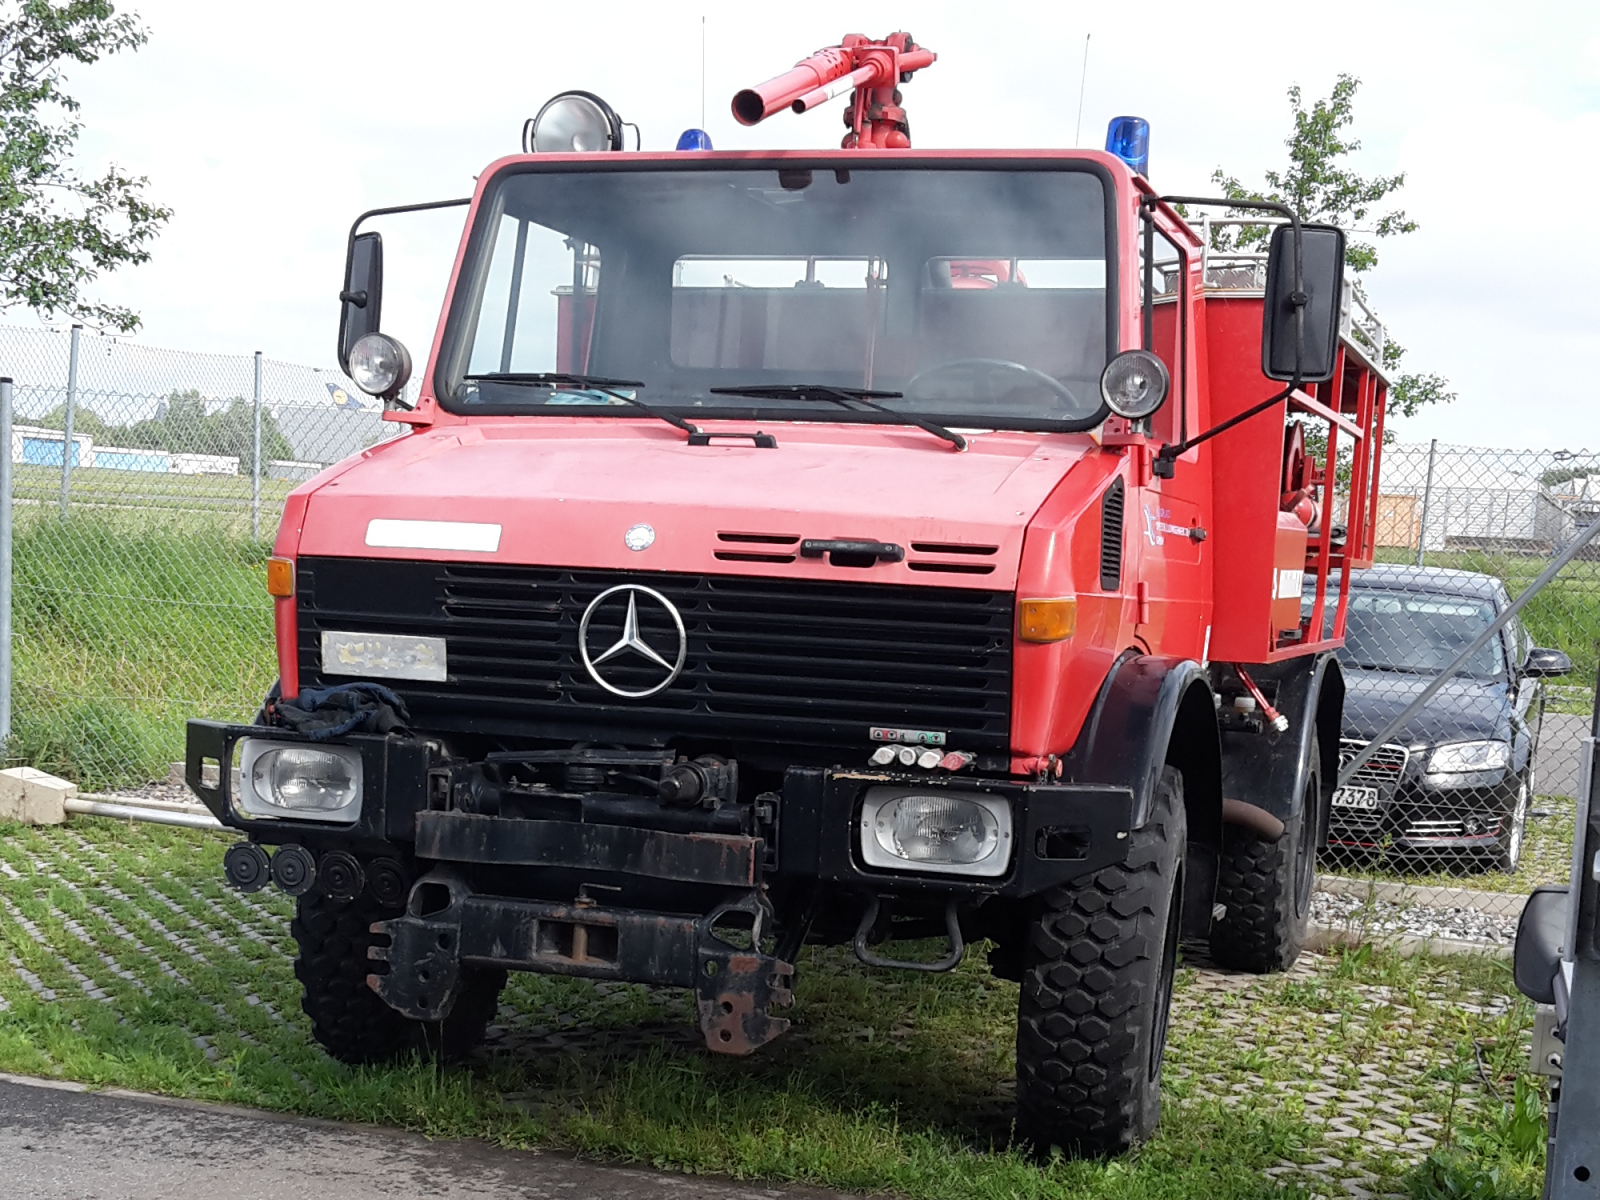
[1096, 990]
[348, 1018]
[1265, 887]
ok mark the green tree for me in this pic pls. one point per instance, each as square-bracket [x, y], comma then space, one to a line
[1319, 186]
[58, 230]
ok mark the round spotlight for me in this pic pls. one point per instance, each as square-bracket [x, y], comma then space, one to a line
[573, 123]
[380, 365]
[1134, 384]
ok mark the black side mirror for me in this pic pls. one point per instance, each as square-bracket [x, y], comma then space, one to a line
[1544, 663]
[1321, 297]
[1536, 954]
[361, 302]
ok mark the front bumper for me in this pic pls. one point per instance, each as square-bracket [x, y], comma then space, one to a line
[1427, 819]
[1061, 831]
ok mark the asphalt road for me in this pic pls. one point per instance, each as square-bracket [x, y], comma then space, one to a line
[58, 1142]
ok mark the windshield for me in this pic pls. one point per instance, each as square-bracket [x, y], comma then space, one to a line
[1407, 631]
[981, 295]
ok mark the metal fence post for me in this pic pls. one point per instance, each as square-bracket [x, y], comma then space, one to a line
[72, 402]
[255, 460]
[1427, 498]
[5, 558]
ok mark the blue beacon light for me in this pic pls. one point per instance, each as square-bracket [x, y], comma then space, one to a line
[1129, 139]
[694, 139]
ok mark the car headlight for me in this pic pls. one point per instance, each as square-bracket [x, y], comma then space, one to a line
[923, 829]
[1464, 758]
[291, 779]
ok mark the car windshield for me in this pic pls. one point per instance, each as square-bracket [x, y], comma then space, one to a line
[1417, 632]
[981, 295]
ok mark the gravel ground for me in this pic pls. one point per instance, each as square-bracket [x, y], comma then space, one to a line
[1416, 920]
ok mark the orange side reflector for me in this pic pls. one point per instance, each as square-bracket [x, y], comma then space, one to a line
[1047, 620]
[280, 577]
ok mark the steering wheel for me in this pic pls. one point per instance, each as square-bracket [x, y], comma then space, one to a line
[961, 381]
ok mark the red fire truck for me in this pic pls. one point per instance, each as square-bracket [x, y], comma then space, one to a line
[870, 547]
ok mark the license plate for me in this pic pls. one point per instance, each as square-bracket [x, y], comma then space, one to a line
[1355, 797]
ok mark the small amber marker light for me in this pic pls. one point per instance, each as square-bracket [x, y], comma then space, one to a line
[280, 577]
[1047, 620]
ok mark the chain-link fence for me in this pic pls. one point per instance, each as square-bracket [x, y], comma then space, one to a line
[147, 487]
[1475, 794]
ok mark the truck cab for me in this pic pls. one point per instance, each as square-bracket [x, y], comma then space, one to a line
[765, 563]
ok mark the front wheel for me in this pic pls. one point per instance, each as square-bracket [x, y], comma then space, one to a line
[348, 1019]
[1514, 827]
[1099, 965]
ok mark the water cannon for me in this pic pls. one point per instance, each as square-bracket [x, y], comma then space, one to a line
[871, 69]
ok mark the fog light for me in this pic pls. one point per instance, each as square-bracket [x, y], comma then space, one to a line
[939, 831]
[313, 783]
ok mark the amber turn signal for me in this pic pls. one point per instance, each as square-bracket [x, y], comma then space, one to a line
[280, 577]
[1047, 620]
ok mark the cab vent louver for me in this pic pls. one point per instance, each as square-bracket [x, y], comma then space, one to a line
[1111, 538]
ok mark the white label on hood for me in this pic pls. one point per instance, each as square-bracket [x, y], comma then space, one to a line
[433, 535]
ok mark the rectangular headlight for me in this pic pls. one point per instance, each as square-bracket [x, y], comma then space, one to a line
[384, 656]
[305, 782]
[934, 830]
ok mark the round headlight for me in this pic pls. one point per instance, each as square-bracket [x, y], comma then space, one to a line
[380, 365]
[573, 123]
[1134, 384]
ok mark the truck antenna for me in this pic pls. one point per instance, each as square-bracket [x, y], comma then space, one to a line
[1083, 79]
[702, 70]
[870, 70]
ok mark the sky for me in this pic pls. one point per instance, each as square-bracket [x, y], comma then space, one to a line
[268, 128]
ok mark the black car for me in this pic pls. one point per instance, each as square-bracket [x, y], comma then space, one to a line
[1456, 781]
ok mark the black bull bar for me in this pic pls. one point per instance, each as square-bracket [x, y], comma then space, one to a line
[734, 986]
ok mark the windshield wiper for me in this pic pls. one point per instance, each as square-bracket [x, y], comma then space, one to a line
[843, 397]
[588, 383]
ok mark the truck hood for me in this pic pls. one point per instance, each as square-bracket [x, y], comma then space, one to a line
[567, 492]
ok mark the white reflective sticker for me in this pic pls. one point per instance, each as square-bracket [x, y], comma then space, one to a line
[1290, 584]
[383, 656]
[433, 535]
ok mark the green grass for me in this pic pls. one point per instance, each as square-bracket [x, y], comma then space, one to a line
[123, 633]
[888, 1081]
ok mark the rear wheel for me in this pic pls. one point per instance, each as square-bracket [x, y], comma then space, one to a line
[1265, 887]
[348, 1019]
[1096, 992]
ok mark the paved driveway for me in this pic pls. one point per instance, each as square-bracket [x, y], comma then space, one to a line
[58, 1142]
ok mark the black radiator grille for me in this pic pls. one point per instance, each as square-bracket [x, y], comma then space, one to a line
[780, 661]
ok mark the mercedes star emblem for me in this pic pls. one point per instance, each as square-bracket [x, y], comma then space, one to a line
[632, 639]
